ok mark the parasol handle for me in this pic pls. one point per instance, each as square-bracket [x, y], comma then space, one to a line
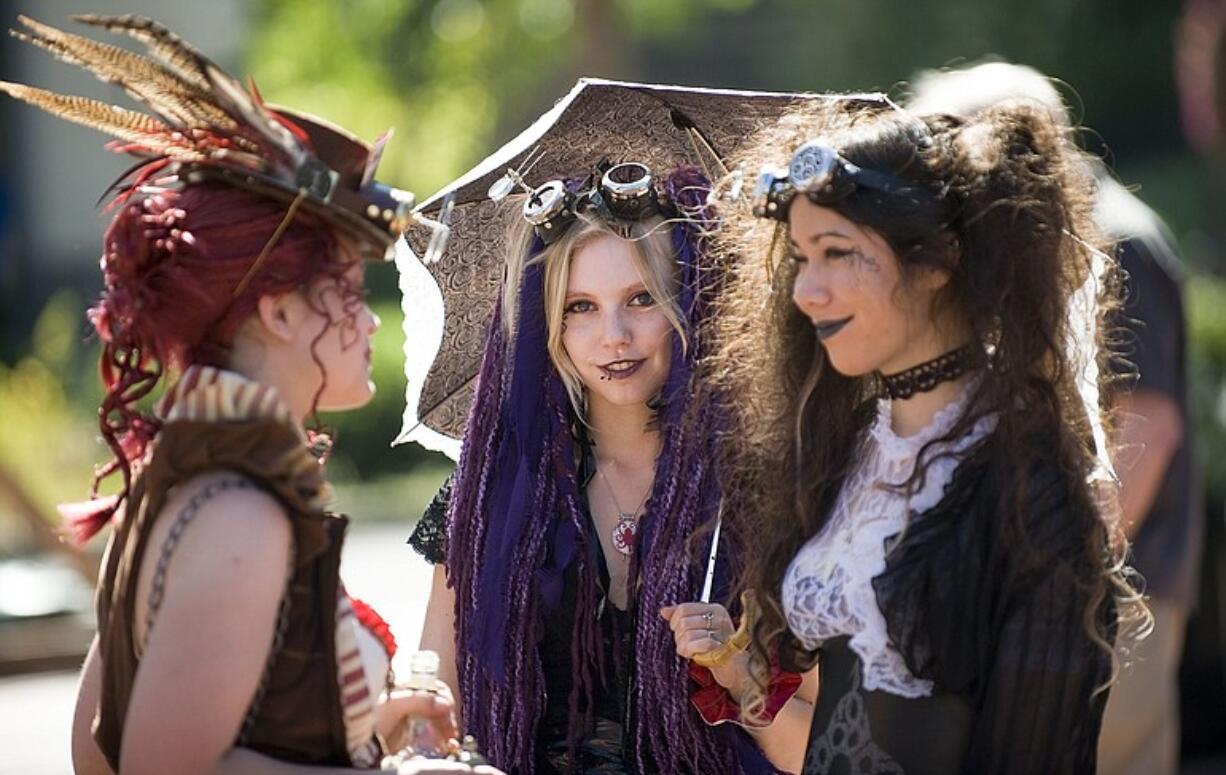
[740, 639]
[709, 581]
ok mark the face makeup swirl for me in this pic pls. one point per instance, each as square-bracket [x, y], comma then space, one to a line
[849, 283]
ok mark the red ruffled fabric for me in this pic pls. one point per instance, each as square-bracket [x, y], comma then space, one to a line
[716, 705]
[370, 619]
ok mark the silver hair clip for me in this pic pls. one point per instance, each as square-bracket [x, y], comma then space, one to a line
[729, 188]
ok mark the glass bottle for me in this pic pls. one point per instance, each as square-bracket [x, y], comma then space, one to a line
[421, 736]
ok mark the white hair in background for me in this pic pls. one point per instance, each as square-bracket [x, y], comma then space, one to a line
[965, 92]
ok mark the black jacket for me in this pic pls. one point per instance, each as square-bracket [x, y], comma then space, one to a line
[992, 611]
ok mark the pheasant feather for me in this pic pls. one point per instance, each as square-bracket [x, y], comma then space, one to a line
[152, 83]
[178, 54]
[197, 123]
[185, 60]
[142, 130]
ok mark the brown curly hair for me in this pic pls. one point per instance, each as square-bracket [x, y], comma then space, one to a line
[1013, 196]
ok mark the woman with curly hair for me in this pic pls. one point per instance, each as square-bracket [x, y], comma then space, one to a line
[563, 542]
[918, 440]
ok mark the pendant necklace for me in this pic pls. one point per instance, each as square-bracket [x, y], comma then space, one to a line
[627, 525]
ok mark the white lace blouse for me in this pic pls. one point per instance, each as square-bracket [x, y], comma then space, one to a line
[827, 590]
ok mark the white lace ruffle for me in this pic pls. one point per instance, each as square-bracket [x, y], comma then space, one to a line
[828, 591]
[421, 302]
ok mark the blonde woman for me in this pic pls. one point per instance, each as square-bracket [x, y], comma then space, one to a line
[585, 472]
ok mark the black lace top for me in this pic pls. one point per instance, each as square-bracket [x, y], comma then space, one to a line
[429, 538]
[995, 620]
[601, 750]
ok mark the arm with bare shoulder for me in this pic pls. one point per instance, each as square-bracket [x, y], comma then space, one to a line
[206, 651]
[1149, 433]
[208, 646]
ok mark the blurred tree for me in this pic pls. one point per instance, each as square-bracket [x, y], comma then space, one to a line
[437, 70]
[46, 399]
[1206, 303]
[459, 77]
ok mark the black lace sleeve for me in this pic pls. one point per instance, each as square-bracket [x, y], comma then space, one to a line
[429, 538]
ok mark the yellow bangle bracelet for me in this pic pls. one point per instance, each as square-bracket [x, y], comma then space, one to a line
[719, 657]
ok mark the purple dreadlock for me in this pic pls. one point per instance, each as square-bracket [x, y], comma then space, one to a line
[517, 500]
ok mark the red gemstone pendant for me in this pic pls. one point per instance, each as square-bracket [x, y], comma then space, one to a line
[623, 533]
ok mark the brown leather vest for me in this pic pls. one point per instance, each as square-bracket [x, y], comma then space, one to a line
[299, 717]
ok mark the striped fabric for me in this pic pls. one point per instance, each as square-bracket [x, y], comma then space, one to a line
[210, 394]
[361, 660]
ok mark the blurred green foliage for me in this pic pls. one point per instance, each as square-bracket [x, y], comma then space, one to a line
[48, 401]
[457, 78]
[1206, 308]
[436, 71]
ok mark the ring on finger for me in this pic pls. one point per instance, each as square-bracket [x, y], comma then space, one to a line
[707, 618]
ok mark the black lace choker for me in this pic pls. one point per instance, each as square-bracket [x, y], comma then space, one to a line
[929, 374]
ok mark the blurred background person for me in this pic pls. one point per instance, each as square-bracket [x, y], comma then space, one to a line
[1160, 491]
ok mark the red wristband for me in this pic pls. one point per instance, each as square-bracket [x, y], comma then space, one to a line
[716, 705]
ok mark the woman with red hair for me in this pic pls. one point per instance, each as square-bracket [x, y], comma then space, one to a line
[233, 275]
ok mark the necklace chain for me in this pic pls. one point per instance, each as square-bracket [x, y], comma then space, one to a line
[613, 494]
[623, 532]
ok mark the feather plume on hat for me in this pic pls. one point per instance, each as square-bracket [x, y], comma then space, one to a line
[203, 124]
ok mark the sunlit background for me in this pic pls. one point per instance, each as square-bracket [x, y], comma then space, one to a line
[456, 78]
